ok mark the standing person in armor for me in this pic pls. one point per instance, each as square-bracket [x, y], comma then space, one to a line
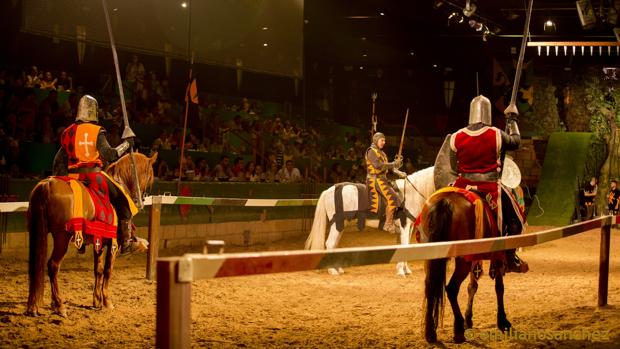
[475, 155]
[84, 148]
[377, 182]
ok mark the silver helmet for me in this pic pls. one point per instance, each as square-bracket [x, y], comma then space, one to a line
[376, 137]
[87, 109]
[480, 110]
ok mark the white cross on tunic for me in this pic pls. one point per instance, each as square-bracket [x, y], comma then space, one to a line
[86, 143]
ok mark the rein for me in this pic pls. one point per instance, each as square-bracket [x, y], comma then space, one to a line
[409, 214]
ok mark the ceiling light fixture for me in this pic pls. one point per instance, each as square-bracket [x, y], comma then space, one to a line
[469, 9]
[549, 26]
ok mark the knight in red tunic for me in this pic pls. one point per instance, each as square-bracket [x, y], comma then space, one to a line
[84, 148]
[475, 155]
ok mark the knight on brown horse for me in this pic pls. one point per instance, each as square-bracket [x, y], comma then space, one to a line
[475, 155]
[84, 150]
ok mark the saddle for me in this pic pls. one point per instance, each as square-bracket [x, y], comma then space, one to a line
[104, 223]
[363, 208]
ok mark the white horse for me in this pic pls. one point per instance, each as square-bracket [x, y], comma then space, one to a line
[416, 188]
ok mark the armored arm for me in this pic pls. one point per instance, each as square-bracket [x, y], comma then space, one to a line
[61, 163]
[376, 162]
[511, 139]
[108, 153]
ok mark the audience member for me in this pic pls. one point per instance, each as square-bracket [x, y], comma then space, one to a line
[222, 171]
[289, 173]
[589, 194]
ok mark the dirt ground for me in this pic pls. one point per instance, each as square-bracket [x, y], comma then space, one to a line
[365, 307]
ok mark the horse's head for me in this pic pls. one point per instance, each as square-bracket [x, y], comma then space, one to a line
[121, 171]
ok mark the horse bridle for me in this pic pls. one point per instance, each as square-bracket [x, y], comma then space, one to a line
[409, 214]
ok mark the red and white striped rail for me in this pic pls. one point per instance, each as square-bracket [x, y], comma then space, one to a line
[175, 274]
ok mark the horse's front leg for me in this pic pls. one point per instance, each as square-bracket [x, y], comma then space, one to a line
[61, 244]
[472, 288]
[502, 322]
[98, 267]
[333, 239]
[402, 268]
[107, 273]
[462, 268]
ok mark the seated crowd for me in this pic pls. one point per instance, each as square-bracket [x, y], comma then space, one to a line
[36, 106]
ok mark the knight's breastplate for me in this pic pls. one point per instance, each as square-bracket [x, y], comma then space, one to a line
[477, 151]
[80, 143]
[371, 170]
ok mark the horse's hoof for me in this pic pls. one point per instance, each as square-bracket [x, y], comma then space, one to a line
[407, 270]
[62, 312]
[33, 313]
[459, 338]
[469, 323]
[401, 274]
[333, 271]
[504, 325]
[431, 337]
[340, 271]
[108, 306]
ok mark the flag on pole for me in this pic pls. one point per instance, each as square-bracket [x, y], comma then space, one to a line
[192, 92]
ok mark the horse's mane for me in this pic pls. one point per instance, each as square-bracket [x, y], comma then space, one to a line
[121, 168]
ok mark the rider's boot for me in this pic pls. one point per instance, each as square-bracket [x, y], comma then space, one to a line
[389, 221]
[514, 264]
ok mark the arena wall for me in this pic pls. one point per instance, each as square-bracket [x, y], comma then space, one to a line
[188, 237]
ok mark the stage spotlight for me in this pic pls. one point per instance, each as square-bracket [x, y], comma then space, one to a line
[455, 17]
[469, 8]
[476, 25]
[549, 26]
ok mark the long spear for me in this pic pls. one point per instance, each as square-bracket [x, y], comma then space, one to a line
[127, 132]
[515, 84]
[526, 31]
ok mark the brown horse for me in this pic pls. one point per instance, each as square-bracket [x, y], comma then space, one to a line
[449, 216]
[51, 206]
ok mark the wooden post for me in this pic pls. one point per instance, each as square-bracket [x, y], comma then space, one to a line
[173, 307]
[603, 271]
[153, 251]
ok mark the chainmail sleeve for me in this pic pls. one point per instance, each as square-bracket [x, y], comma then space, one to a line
[106, 152]
[376, 162]
[512, 138]
[61, 163]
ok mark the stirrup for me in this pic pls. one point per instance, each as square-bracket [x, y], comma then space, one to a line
[516, 265]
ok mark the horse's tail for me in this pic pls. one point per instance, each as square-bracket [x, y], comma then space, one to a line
[316, 239]
[37, 231]
[439, 224]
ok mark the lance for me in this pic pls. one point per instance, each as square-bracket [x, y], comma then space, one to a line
[515, 84]
[127, 132]
[526, 31]
[402, 137]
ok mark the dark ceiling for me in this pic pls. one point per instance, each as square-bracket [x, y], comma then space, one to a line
[397, 32]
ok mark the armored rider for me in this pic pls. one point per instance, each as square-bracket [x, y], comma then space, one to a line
[475, 155]
[377, 183]
[84, 148]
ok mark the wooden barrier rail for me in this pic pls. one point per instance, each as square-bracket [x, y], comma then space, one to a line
[155, 215]
[175, 274]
